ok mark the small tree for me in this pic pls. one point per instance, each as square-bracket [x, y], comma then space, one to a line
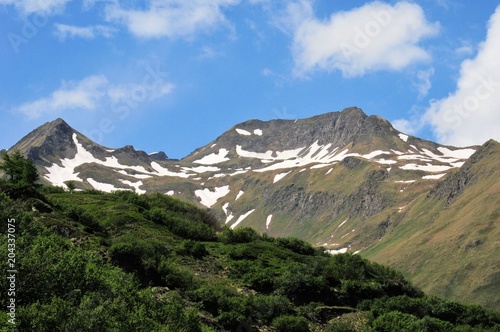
[21, 172]
[71, 186]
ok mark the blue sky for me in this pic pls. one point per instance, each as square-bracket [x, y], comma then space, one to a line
[173, 75]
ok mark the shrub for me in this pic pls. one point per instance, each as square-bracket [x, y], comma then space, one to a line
[291, 324]
[395, 321]
[175, 277]
[240, 235]
[300, 285]
[296, 245]
[214, 298]
[339, 327]
[193, 248]
[266, 308]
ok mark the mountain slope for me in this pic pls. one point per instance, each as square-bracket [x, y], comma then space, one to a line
[449, 240]
[343, 180]
[91, 261]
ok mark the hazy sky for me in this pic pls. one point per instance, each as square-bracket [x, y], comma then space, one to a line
[172, 75]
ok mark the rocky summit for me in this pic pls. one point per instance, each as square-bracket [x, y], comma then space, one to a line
[343, 180]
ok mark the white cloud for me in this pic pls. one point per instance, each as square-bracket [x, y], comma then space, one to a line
[471, 114]
[26, 7]
[376, 36]
[465, 49]
[424, 82]
[72, 95]
[63, 31]
[94, 93]
[411, 127]
[171, 18]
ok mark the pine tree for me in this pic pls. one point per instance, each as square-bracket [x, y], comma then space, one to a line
[20, 171]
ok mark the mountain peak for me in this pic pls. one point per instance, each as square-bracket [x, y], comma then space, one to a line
[51, 137]
[336, 129]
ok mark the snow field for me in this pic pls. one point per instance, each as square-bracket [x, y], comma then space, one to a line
[208, 197]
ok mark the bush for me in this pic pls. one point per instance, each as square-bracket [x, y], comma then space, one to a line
[240, 235]
[301, 285]
[175, 277]
[291, 324]
[340, 327]
[265, 308]
[181, 226]
[215, 298]
[296, 245]
[193, 248]
[395, 321]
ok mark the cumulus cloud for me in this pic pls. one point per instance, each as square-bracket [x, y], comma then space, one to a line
[84, 94]
[375, 36]
[63, 31]
[96, 92]
[471, 114]
[26, 7]
[170, 18]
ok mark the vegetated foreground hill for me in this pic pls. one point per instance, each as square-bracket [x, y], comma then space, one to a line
[90, 261]
[343, 180]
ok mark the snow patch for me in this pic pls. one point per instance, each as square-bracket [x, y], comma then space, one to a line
[137, 176]
[343, 222]
[161, 171]
[208, 197]
[280, 176]
[268, 220]
[202, 169]
[135, 185]
[241, 218]
[403, 137]
[239, 194]
[337, 251]
[224, 208]
[213, 158]
[374, 154]
[386, 162]
[433, 176]
[459, 154]
[257, 132]
[170, 193]
[229, 217]
[106, 187]
[426, 168]
[57, 175]
[320, 166]
[405, 181]
[243, 132]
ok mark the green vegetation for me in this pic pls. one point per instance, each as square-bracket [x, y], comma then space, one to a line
[89, 261]
[22, 174]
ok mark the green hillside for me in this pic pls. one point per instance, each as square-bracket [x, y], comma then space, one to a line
[89, 261]
[448, 241]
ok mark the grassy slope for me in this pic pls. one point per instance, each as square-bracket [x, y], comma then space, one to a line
[451, 251]
[220, 282]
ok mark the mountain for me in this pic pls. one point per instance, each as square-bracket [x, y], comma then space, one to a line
[342, 180]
